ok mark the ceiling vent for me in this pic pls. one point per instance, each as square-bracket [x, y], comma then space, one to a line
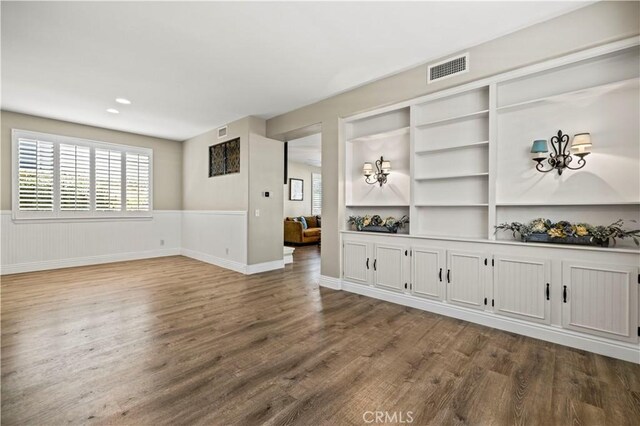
[448, 68]
[222, 132]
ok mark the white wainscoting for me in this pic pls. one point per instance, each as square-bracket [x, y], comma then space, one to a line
[216, 237]
[40, 245]
[220, 238]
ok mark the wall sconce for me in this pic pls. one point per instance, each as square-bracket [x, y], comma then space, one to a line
[561, 158]
[383, 168]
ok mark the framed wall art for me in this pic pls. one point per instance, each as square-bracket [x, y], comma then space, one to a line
[296, 189]
[224, 158]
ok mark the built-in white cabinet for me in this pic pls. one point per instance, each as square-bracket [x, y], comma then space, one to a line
[466, 273]
[522, 288]
[428, 267]
[357, 265]
[536, 288]
[600, 299]
[382, 265]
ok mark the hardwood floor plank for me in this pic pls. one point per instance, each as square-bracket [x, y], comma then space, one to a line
[179, 342]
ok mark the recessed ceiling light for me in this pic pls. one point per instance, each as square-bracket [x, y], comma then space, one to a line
[113, 111]
[123, 101]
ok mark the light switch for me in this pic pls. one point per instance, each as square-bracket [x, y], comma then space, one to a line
[257, 212]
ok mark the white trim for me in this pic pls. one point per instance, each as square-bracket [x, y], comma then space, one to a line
[214, 260]
[218, 212]
[19, 268]
[264, 267]
[330, 282]
[287, 254]
[232, 265]
[620, 350]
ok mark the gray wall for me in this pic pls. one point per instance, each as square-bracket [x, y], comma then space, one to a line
[299, 171]
[228, 192]
[167, 154]
[266, 173]
[590, 26]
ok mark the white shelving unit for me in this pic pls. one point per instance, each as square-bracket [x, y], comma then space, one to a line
[451, 165]
[461, 162]
[385, 134]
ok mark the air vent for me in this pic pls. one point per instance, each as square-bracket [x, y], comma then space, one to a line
[448, 68]
[222, 132]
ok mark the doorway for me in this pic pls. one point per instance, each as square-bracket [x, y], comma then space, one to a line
[302, 195]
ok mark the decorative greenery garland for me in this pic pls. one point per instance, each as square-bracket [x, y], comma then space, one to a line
[391, 223]
[561, 230]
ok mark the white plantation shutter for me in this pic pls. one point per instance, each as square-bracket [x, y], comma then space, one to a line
[137, 182]
[35, 175]
[316, 194]
[75, 178]
[64, 177]
[108, 172]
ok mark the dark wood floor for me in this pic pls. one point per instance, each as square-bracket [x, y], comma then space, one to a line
[177, 341]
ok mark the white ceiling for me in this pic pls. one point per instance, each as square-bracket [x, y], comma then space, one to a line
[190, 67]
[306, 150]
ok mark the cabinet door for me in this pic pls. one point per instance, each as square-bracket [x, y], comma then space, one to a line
[428, 267]
[357, 262]
[521, 286]
[388, 266]
[465, 279]
[600, 299]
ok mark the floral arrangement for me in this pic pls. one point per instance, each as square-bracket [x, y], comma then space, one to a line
[377, 224]
[543, 230]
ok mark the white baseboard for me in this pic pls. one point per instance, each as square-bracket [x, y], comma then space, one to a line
[288, 255]
[330, 282]
[264, 267]
[214, 260]
[230, 264]
[621, 350]
[19, 268]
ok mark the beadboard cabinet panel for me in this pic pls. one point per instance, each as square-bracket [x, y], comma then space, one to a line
[388, 265]
[521, 287]
[357, 262]
[465, 279]
[428, 265]
[600, 299]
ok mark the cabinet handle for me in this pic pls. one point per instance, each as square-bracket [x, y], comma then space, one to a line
[564, 293]
[440, 275]
[448, 275]
[367, 263]
[405, 285]
[406, 252]
[375, 261]
[547, 292]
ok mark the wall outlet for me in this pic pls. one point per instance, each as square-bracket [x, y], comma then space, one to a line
[257, 212]
[161, 242]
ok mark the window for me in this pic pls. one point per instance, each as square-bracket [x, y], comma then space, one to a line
[64, 177]
[316, 194]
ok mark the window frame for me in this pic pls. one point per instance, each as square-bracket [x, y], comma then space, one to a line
[60, 215]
